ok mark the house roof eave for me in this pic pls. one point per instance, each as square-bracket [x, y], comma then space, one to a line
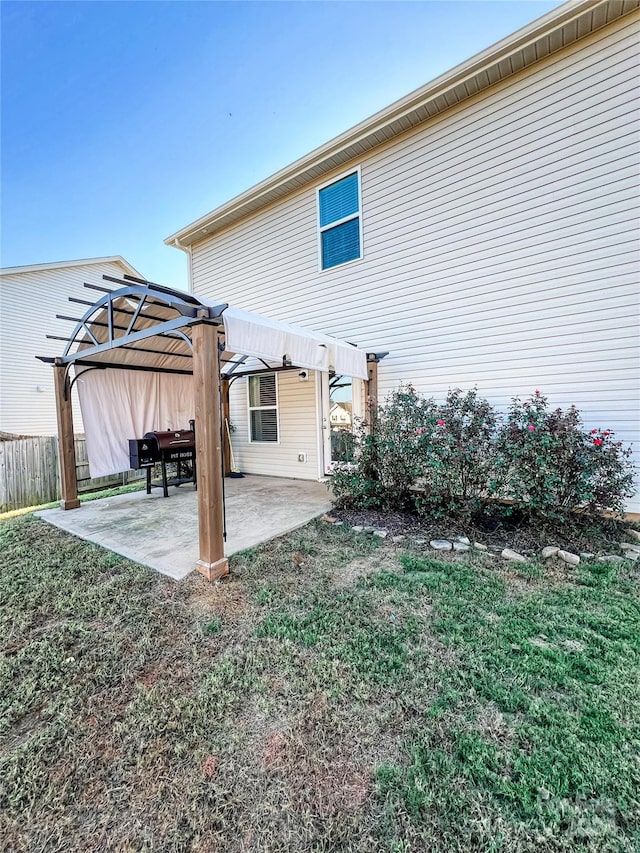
[81, 262]
[567, 24]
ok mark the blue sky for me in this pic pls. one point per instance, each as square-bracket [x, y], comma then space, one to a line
[124, 121]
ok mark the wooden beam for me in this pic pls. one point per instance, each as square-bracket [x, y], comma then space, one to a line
[226, 423]
[66, 448]
[206, 371]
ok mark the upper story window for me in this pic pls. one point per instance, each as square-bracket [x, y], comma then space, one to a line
[339, 221]
[263, 407]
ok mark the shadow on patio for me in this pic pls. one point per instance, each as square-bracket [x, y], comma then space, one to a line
[163, 532]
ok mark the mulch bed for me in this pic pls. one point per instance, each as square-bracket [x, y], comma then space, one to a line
[599, 535]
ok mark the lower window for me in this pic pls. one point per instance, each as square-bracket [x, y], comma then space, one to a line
[263, 408]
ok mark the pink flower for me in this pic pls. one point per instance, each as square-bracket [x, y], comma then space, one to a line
[537, 393]
[440, 423]
[606, 433]
[597, 441]
[531, 428]
[594, 431]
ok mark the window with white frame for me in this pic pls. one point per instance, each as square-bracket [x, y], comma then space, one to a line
[263, 407]
[339, 221]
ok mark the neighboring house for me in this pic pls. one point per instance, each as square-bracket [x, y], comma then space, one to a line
[339, 415]
[30, 298]
[483, 230]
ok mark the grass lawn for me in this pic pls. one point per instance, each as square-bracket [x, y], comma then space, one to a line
[337, 693]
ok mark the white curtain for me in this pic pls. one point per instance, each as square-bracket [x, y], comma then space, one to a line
[118, 405]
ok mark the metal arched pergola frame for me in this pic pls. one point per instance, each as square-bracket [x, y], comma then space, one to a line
[116, 332]
[145, 326]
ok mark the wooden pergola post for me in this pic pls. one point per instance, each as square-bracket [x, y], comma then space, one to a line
[66, 447]
[372, 391]
[206, 378]
[226, 441]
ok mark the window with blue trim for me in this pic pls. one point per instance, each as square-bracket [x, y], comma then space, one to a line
[339, 215]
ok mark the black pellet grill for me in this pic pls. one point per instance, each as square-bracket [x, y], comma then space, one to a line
[176, 447]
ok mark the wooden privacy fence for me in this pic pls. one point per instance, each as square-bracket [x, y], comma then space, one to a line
[29, 474]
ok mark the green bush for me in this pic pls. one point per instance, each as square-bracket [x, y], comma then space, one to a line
[386, 459]
[450, 458]
[456, 455]
[547, 464]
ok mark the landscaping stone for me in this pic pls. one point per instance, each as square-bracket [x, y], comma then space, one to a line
[508, 554]
[381, 533]
[635, 534]
[369, 529]
[464, 540]
[611, 558]
[358, 528]
[586, 555]
[419, 541]
[461, 546]
[399, 538]
[330, 519]
[479, 546]
[549, 551]
[631, 552]
[338, 523]
[441, 544]
[568, 557]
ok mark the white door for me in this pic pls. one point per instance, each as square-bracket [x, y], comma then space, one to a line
[341, 407]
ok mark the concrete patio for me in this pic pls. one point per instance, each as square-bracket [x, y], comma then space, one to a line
[163, 532]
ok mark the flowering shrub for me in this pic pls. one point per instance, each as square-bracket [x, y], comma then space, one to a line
[449, 458]
[456, 458]
[386, 458]
[548, 464]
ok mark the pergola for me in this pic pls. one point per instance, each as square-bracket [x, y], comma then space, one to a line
[150, 329]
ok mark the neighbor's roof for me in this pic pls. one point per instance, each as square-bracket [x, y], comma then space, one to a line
[546, 35]
[83, 262]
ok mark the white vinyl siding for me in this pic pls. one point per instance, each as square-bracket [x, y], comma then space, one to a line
[297, 430]
[29, 302]
[500, 249]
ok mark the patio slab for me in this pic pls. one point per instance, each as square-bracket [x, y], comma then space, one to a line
[163, 532]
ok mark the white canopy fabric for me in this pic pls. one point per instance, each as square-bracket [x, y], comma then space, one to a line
[119, 404]
[255, 335]
[246, 333]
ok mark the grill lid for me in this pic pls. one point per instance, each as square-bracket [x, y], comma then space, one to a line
[172, 439]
